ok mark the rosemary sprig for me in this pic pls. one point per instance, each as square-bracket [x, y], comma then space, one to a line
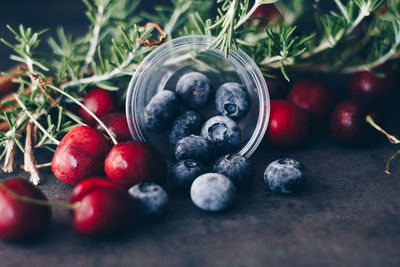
[342, 39]
[232, 15]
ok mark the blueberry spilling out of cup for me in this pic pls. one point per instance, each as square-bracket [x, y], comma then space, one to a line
[205, 142]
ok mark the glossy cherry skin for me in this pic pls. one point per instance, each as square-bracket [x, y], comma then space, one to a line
[267, 11]
[103, 211]
[80, 154]
[19, 219]
[315, 98]
[100, 102]
[88, 184]
[372, 90]
[134, 162]
[277, 87]
[288, 125]
[117, 124]
[348, 123]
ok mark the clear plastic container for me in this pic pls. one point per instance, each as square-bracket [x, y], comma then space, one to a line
[162, 68]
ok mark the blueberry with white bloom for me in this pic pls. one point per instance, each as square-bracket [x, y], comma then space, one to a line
[194, 90]
[237, 168]
[161, 111]
[213, 192]
[185, 172]
[195, 147]
[232, 100]
[222, 132]
[150, 199]
[188, 123]
[285, 176]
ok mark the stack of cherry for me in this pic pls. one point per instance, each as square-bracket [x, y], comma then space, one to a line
[101, 206]
[311, 104]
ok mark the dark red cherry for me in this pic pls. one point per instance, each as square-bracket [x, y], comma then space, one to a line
[79, 155]
[288, 125]
[134, 162]
[100, 102]
[118, 126]
[103, 211]
[315, 98]
[88, 184]
[373, 90]
[278, 86]
[348, 123]
[21, 219]
[266, 11]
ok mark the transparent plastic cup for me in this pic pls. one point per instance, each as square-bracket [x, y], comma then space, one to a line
[162, 68]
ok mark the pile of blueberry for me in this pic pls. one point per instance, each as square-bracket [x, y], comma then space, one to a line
[190, 136]
[198, 143]
[203, 146]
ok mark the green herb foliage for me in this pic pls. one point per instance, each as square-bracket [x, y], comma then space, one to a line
[351, 36]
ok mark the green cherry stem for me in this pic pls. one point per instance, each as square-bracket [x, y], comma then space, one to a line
[56, 204]
[392, 139]
[87, 110]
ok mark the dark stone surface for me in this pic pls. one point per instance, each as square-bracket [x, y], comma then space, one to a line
[348, 215]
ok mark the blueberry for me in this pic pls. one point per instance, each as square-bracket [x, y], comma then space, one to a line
[189, 122]
[150, 200]
[194, 90]
[222, 132]
[285, 176]
[212, 192]
[237, 168]
[195, 147]
[232, 100]
[162, 109]
[184, 172]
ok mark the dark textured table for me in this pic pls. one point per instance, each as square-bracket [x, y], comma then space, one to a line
[348, 215]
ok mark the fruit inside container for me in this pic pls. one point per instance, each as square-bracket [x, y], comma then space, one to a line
[163, 68]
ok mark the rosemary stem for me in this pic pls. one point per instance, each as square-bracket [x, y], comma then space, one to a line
[95, 38]
[99, 78]
[55, 141]
[377, 62]
[327, 42]
[247, 16]
[29, 157]
[175, 16]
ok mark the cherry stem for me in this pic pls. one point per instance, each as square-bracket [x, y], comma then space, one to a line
[87, 110]
[69, 114]
[390, 160]
[391, 138]
[56, 204]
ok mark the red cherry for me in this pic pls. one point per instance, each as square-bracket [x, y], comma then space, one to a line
[88, 184]
[80, 154]
[21, 219]
[134, 162]
[118, 126]
[288, 125]
[277, 87]
[370, 89]
[348, 123]
[266, 11]
[103, 211]
[98, 101]
[314, 97]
